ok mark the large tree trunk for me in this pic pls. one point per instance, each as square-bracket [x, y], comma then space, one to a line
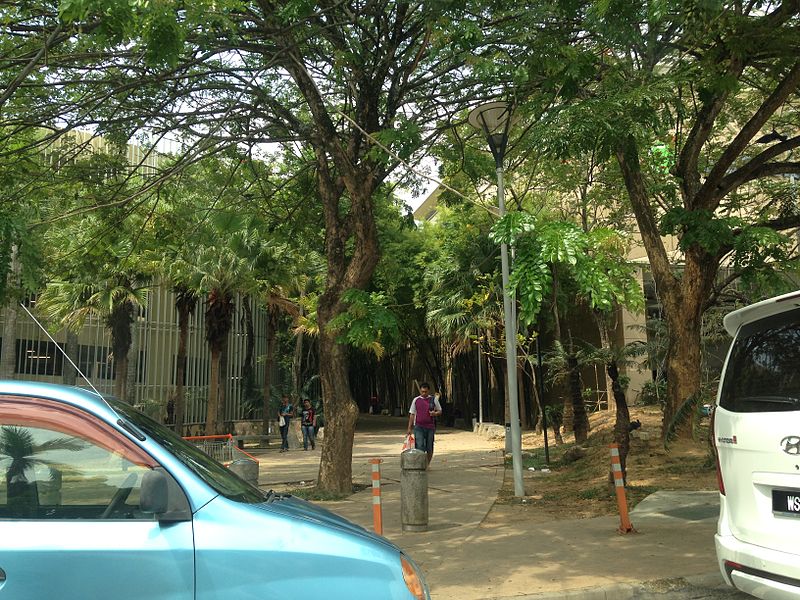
[248, 381]
[684, 310]
[8, 359]
[341, 413]
[349, 267]
[219, 317]
[683, 359]
[684, 298]
[132, 375]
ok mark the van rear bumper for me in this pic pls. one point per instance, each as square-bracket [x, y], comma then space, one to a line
[761, 572]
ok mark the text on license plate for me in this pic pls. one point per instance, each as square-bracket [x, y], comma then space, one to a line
[785, 501]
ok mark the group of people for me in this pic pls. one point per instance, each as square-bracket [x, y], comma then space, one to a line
[308, 423]
[421, 421]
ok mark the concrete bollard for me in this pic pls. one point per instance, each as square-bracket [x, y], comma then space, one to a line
[414, 490]
[246, 469]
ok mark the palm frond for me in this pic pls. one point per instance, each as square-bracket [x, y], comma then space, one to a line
[686, 413]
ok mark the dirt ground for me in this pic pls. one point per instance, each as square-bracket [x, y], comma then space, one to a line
[581, 489]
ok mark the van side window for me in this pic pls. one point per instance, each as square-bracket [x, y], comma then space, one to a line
[763, 372]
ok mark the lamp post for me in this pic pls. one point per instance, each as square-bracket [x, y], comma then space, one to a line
[493, 119]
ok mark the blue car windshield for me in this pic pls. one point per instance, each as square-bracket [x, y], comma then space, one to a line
[200, 463]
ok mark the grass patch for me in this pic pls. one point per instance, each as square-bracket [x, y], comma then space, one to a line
[582, 489]
[593, 493]
[688, 467]
[315, 495]
[535, 458]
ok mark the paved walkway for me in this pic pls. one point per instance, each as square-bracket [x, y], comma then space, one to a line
[467, 557]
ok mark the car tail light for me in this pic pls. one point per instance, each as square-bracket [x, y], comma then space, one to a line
[720, 482]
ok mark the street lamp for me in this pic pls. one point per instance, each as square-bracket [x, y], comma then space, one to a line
[493, 119]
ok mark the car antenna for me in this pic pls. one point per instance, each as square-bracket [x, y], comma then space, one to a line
[47, 333]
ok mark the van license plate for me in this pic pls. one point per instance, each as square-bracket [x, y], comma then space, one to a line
[786, 502]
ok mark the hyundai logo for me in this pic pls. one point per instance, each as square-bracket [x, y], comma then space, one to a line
[791, 444]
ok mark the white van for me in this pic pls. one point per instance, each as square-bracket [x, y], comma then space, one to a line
[756, 435]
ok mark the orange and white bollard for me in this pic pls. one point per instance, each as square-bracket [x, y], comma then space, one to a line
[625, 525]
[377, 511]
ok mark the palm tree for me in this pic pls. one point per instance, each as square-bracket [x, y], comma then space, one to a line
[219, 319]
[114, 298]
[463, 300]
[238, 260]
[18, 446]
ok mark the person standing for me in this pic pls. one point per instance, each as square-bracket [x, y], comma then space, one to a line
[285, 414]
[421, 417]
[308, 423]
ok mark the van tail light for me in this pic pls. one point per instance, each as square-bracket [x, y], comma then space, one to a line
[712, 433]
[731, 566]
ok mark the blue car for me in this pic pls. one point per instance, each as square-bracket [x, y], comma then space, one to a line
[99, 502]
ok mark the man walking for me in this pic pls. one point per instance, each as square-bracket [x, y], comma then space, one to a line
[421, 417]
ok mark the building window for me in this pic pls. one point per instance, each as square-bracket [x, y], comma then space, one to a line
[37, 357]
[95, 363]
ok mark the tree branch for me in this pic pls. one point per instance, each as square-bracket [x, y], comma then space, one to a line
[708, 196]
[731, 181]
[628, 159]
[12, 87]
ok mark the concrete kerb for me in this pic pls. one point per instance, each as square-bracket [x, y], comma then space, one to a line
[628, 591]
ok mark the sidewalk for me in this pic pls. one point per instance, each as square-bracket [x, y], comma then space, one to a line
[467, 556]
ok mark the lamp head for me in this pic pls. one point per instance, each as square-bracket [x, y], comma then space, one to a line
[493, 119]
[490, 118]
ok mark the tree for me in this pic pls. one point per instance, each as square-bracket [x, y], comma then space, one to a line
[20, 258]
[328, 80]
[595, 263]
[224, 257]
[95, 266]
[697, 106]
[111, 294]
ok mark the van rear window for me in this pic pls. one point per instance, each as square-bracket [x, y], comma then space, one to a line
[763, 372]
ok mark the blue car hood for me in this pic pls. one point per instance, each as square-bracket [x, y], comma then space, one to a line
[293, 507]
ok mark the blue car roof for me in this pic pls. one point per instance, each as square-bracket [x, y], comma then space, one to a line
[80, 397]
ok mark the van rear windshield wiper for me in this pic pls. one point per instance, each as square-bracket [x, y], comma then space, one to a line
[770, 400]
